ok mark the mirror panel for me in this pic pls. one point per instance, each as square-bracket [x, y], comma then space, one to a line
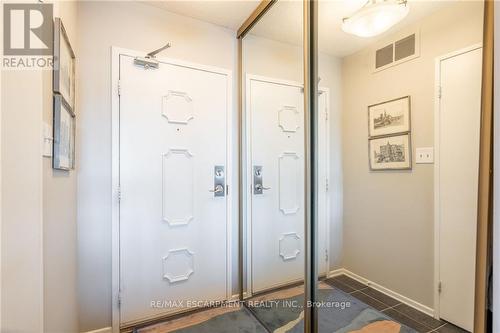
[274, 150]
[404, 155]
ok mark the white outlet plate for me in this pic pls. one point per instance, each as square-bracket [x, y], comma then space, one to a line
[424, 155]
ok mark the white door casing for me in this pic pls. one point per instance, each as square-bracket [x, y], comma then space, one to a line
[173, 233]
[457, 127]
[323, 183]
[275, 218]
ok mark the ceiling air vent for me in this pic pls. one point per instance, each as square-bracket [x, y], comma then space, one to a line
[397, 52]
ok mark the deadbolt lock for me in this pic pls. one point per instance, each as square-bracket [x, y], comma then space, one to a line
[258, 188]
[219, 182]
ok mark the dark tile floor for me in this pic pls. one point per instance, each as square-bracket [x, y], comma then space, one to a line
[398, 311]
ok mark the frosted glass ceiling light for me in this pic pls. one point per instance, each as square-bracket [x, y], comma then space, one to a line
[375, 17]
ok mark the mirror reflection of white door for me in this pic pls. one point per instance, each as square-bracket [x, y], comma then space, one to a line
[276, 206]
[173, 230]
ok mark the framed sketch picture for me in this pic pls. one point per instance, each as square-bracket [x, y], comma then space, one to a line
[64, 64]
[390, 152]
[64, 135]
[388, 118]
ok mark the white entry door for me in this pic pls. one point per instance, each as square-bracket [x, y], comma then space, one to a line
[457, 180]
[173, 154]
[276, 174]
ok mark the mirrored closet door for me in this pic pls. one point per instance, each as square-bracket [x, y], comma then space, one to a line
[274, 169]
[396, 165]
[404, 138]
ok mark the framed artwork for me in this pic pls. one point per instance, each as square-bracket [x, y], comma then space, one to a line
[64, 64]
[64, 135]
[389, 118]
[390, 152]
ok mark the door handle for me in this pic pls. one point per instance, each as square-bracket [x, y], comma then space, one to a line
[219, 181]
[218, 189]
[260, 188]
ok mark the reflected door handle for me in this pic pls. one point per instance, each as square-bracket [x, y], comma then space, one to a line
[259, 187]
[217, 189]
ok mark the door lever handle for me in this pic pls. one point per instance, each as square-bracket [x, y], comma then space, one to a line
[259, 187]
[217, 189]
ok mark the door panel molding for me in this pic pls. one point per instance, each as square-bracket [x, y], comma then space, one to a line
[178, 182]
[177, 98]
[286, 242]
[288, 121]
[288, 187]
[183, 273]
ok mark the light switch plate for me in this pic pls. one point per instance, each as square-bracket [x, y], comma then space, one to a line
[425, 155]
[47, 140]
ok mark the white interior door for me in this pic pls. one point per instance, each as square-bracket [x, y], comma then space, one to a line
[173, 230]
[458, 161]
[276, 139]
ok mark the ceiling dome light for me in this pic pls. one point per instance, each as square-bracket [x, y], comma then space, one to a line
[375, 17]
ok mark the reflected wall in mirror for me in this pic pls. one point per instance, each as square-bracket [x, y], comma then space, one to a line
[403, 242]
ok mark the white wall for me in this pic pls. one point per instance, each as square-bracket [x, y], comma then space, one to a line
[388, 216]
[21, 187]
[38, 232]
[22, 271]
[59, 214]
[139, 27]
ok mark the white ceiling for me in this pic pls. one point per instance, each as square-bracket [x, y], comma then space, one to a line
[283, 22]
[226, 13]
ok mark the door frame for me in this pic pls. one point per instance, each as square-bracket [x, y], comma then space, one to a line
[116, 52]
[437, 221]
[247, 175]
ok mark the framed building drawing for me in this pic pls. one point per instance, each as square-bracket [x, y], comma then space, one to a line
[64, 64]
[389, 118]
[64, 135]
[390, 152]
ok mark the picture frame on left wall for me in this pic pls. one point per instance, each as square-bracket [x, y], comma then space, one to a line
[64, 64]
[64, 135]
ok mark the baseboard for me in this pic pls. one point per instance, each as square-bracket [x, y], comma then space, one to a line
[102, 330]
[236, 297]
[336, 272]
[403, 299]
